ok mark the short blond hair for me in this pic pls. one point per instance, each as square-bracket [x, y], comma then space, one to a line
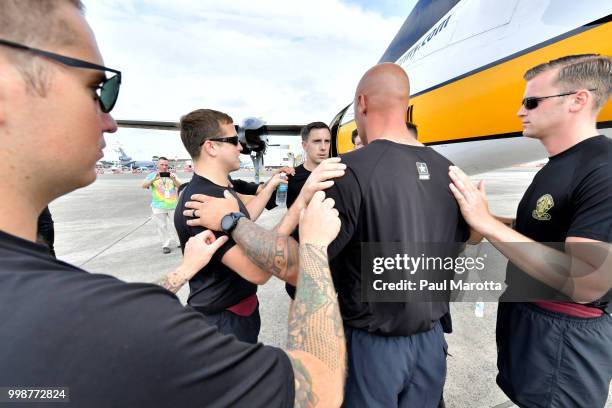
[583, 71]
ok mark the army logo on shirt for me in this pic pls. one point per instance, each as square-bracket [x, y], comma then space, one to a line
[423, 171]
[543, 205]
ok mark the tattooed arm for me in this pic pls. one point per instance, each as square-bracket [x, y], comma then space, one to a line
[175, 279]
[269, 250]
[198, 252]
[261, 253]
[275, 251]
[316, 343]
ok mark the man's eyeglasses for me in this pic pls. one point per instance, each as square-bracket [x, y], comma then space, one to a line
[108, 90]
[232, 140]
[532, 102]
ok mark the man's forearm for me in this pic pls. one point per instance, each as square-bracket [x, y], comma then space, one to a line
[568, 274]
[172, 281]
[507, 221]
[315, 324]
[269, 250]
[290, 220]
[258, 203]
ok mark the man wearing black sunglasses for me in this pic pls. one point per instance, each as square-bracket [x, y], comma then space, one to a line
[554, 319]
[225, 291]
[103, 341]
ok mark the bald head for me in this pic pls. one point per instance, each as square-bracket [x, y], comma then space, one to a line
[381, 102]
[386, 87]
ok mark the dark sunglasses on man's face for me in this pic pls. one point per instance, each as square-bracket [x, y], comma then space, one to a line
[107, 90]
[532, 102]
[232, 140]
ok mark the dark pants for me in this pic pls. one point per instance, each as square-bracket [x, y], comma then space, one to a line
[395, 371]
[244, 328]
[547, 359]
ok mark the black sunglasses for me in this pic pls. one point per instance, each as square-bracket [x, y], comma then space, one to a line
[108, 90]
[232, 140]
[532, 102]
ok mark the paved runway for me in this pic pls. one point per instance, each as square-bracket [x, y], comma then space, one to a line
[106, 228]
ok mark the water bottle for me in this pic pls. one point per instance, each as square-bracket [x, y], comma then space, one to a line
[479, 309]
[281, 193]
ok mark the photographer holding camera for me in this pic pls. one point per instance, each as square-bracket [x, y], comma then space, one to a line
[164, 193]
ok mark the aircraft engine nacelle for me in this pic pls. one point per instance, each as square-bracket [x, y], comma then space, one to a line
[252, 134]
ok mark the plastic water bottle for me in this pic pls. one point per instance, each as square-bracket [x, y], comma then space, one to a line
[479, 309]
[281, 193]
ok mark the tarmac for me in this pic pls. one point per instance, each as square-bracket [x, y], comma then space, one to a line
[107, 228]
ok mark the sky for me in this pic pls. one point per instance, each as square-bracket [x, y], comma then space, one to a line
[285, 61]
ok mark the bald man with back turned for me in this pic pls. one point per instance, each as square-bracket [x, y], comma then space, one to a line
[395, 189]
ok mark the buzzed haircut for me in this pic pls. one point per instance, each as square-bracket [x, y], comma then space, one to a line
[354, 135]
[34, 23]
[581, 71]
[305, 132]
[413, 127]
[162, 158]
[200, 125]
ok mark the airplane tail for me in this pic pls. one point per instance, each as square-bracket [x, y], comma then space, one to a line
[122, 155]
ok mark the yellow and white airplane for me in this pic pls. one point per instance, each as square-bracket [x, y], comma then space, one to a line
[466, 60]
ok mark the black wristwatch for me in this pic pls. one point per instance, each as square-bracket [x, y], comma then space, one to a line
[229, 222]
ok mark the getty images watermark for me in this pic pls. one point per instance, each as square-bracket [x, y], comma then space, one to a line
[429, 272]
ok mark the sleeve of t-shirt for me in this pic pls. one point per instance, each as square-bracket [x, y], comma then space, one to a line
[271, 204]
[346, 193]
[150, 176]
[218, 255]
[245, 187]
[167, 355]
[592, 202]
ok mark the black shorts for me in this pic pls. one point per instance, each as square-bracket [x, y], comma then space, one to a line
[245, 328]
[548, 359]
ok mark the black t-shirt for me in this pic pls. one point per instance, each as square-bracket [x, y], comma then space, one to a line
[46, 231]
[294, 186]
[244, 187]
[383, 198]
[122, 344]
[570, 196]
[216, 287]
[295, 183]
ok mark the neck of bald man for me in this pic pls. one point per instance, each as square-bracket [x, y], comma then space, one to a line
[390, 127]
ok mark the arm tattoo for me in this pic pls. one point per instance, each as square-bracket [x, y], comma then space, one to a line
[315, 324]
[304, 395]
[269, 250]
[172, 285]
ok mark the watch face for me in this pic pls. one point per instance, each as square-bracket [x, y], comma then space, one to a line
[226, 222]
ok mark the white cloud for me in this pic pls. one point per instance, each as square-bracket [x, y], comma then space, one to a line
[285, 61]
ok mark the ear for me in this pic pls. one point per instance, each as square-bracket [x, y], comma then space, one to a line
[362, 104]
[210, 148]
[582, 100]
[304, 143]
